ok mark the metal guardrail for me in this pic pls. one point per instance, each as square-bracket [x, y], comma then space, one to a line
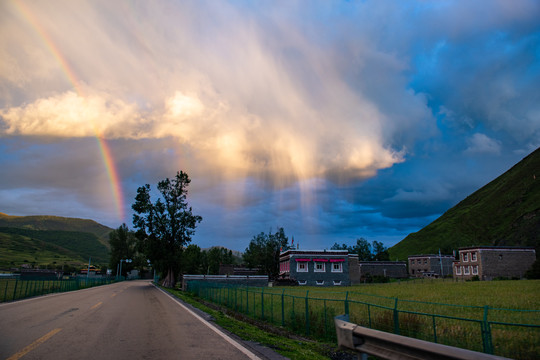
[384, 345]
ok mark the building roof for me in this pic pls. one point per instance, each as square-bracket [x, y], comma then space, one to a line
[315, 252]
[430, 255]
[403, 263]
[497, 248]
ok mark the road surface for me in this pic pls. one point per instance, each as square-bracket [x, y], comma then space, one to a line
[127, 320]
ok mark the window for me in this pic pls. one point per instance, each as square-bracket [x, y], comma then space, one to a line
[458, 270]
[336, 282]
[412, 262]
[425, 261]
[337, 267]
[319, 282]
[475, 270]
[319, 267]
[301, 267]
[465, 257]
[302, 282]
[473, 256]
[466, 270]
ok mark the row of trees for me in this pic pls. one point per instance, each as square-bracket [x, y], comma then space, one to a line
[376, 251]
[125, 244]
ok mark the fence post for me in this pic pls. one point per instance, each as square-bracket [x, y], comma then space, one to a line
[307, 313]
[283, 308]
[396, 317]
[15, 288]
[486, 332]
[5, 290]
[369, 314]
[434, 330]
[247, 300]
[347, 303]
[262, 303]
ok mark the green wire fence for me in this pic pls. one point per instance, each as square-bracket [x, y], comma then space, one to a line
[504, 332]
[16, 289]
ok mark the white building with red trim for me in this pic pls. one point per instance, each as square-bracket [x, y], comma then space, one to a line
[319, 267]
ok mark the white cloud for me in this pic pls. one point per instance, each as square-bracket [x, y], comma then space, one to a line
[482, 144]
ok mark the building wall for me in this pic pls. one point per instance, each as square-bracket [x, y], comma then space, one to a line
[354, 270]
[391, 269]
[258, 280]
[431, 264]
[491, 262]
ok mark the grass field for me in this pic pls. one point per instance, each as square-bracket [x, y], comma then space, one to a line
[502, 317]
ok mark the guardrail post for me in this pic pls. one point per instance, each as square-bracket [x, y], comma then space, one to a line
[396, 317]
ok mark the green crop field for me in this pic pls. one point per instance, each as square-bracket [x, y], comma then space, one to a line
[502, 317]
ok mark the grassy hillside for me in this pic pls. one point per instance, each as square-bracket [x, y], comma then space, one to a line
[504, 212]
[16, 250]
[45, 222]
[51, 240]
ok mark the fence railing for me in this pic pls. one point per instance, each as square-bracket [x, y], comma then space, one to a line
[388, 346]
[504, 332]
[16, 289]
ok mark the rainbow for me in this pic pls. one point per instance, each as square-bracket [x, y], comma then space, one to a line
[106, 154]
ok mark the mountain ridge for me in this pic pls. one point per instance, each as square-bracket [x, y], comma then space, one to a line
[504, 212]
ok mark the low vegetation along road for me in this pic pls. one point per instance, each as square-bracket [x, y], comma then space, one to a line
[129, 320]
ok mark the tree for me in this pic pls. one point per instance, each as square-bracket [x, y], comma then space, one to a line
[263, 252]
[336, 246]
[166, 225]
[123, 243]
[380, 252]
[192, 260]
[365, 251]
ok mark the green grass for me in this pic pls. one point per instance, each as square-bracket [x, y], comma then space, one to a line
[285, 344]
[447, 312]
[16, 250]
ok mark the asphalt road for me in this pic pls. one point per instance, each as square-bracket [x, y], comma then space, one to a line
[128, 320]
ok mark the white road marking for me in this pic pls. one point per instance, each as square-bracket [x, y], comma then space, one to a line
[234, 343]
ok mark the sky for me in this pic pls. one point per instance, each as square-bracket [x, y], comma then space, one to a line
[332, 119]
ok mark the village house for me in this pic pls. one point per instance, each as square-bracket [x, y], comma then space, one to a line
[319, 267]
[430, 265]
[489, 262]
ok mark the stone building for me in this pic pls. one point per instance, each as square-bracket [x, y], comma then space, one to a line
[430, 265]
[489, 262]
[319, 267]
[389, 269]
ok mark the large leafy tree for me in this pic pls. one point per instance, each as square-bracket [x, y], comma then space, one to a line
[166, 225]
[263, 252]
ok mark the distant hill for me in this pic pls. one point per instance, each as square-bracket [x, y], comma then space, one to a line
[46, 222]
[46, 240]
[505, 212]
